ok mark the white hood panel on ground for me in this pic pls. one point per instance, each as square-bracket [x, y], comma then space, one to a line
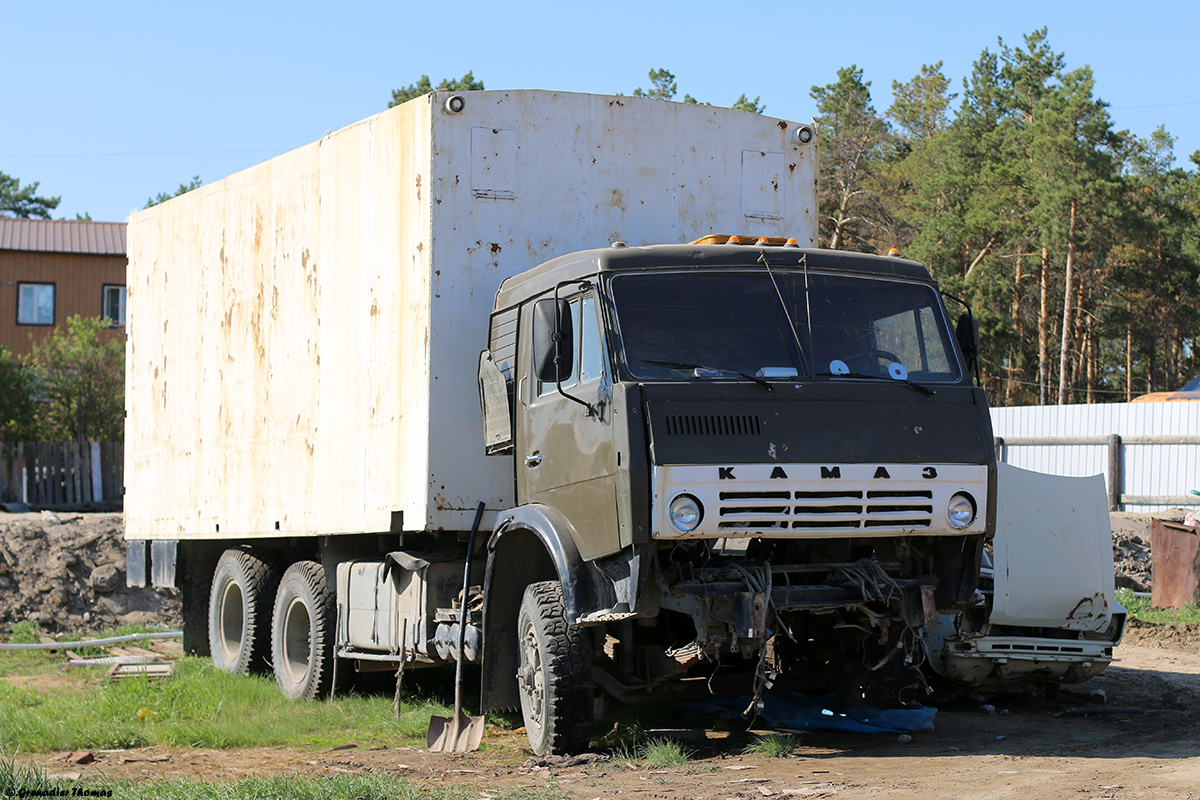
[1052, 552]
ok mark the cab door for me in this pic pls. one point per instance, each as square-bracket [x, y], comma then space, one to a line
[565, 456]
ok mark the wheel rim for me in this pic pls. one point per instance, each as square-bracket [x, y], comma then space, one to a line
[531, 680]
[297, 649]
[231, 630]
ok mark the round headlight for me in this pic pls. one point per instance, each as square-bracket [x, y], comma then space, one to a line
[686, 513]
[961, 510]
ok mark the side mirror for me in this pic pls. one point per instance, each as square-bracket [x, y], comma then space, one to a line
[967, 333]
[553, 355]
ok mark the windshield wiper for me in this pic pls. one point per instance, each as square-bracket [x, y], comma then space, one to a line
[906, 381]
[685, 365]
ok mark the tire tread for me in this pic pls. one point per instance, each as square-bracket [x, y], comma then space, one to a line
[568, 723]
[260, 580]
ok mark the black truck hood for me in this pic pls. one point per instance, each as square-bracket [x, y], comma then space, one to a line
[830, 422]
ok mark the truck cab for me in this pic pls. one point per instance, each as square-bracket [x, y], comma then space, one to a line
[735, 466]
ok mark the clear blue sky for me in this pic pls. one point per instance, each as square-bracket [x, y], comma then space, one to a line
[106, 104]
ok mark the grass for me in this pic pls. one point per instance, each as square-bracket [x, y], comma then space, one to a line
[654, 754]
[774, 745]
[198, 706]
[17, 781]
[1139, 608]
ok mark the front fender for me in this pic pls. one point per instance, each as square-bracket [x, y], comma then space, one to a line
[529, 544]
[584, 589]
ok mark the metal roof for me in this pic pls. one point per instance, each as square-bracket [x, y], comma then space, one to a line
[518, 288]
[62, 236]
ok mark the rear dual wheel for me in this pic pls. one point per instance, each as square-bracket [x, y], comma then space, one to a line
[302, 632]
[239, 610]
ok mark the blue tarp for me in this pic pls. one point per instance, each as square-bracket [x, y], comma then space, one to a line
[800, 712]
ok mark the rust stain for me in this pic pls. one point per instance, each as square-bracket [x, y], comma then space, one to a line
[418, 187]
[258, 229]
[782, 125]
[1090, 601]
[791, 168]
[495, 247]
[374, 308]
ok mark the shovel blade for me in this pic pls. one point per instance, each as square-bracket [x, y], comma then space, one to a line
[458, 734]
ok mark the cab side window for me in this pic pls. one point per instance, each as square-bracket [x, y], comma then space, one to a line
[588, 345]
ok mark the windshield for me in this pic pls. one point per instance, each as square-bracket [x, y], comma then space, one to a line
[765, 325]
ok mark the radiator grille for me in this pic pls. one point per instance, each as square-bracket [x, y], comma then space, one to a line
[713, 425]
[838, 510]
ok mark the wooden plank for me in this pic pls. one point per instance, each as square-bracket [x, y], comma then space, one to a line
[1114, 472]
[23, 494]
[81, 460]
[119, 470]
[57, 471]
[95, 473]
[119, 671]
[1159, 500]
[106, 457]
[85, 473]
[77, 472]
[115, 471]
[70, 493]
[43, 454]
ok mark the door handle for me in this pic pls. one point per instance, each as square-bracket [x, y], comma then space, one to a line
[533, 460]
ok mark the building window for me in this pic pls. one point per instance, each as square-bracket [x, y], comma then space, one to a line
[35, 303]
[114, 305]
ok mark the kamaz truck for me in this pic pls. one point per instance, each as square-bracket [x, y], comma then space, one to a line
[711, 458]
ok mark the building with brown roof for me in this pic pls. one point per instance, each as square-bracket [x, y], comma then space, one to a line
[54, 269]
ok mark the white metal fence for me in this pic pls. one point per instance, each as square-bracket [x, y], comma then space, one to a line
[1149, 453]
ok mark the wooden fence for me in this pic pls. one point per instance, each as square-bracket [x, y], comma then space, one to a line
[63, 475]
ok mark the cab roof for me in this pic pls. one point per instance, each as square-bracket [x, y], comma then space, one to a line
[618, 258]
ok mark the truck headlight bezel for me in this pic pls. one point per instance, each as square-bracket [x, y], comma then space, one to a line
[961, 510]
[685, 512]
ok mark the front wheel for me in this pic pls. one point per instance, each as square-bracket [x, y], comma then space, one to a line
[302, 632]
[554, 674]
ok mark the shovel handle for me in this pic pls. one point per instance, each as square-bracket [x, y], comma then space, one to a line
[462, 615]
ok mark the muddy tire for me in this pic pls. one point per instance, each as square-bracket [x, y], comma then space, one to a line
[302, 632]
[239, 611]
[554, 673]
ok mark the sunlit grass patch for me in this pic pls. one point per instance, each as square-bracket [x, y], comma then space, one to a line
[200, 706]
[774, 745]
[1139, 608]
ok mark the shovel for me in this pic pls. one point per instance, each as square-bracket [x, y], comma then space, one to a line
[460, 733]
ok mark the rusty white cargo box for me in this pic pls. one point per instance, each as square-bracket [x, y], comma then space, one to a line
[304, 335]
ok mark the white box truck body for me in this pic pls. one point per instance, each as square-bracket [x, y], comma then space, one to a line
[303, 335]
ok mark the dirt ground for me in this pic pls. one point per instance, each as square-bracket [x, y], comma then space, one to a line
[1142, 742]
[66, 571]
